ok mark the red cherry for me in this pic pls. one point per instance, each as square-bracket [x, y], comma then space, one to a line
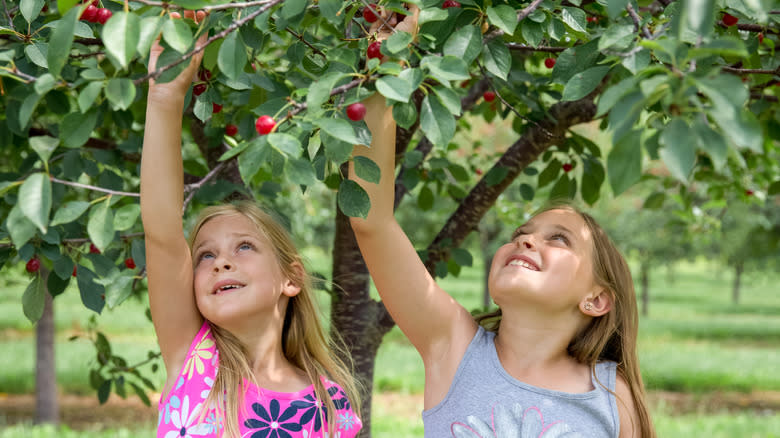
[465, 83]
[549, 62]
[215, 108]
[370, 13]
[264, 124]
[90, 14]
[75, 271]
[450, 4]
[103, 15]
[374, 50]
[760, 38]
[478, 171]
[204, 75]
[198, 89]
[567, 167]
[729, 20]
[130, 263]
[93, 249]
[356, 111]
[33, 265]
[748, 193]
[231, 130]
[592, 19]
[489, 96]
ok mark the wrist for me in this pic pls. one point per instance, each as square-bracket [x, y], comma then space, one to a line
[162, 97]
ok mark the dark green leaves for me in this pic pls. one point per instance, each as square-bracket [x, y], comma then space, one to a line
[61, 41]
[624, 163]
[35, 200]
[353, 200]
[121, 35]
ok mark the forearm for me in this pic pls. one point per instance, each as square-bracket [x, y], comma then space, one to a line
[379, 120]
[162, 171]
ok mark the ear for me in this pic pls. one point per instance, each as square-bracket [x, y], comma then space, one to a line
[596, 304]
[289, 287]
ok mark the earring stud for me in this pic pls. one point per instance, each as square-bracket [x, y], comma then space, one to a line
[588, 306]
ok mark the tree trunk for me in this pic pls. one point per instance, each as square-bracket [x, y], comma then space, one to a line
[46, 406]
[360, 320]
[739, 267]
[644, 274]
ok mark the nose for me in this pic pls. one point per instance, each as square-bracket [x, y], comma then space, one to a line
[525, 241]
[222, 263]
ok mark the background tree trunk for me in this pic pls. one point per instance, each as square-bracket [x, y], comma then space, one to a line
[46, 406]
[644, 275]
[739, 267]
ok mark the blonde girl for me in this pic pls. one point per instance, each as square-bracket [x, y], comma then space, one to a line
[235, 317]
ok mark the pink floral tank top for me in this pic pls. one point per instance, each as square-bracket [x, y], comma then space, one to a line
[267, 414]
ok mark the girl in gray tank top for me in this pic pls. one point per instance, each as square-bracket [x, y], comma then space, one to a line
[558, 357]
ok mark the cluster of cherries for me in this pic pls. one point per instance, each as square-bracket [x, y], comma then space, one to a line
[94, 14]
[34, 264]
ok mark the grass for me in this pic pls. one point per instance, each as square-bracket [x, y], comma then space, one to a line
[694, 340]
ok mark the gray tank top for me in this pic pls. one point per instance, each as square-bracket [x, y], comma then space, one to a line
[485, 401]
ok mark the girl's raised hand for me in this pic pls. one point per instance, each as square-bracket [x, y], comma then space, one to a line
[178, 86]
[389, 20]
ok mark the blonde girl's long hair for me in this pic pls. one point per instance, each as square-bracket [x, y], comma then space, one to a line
[613, 335]
[304, 341]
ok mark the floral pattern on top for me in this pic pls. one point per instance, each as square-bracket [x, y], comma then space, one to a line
[513, 422]
[267, 414]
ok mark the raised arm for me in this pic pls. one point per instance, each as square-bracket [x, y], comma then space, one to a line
[169, 265]
[438, 327]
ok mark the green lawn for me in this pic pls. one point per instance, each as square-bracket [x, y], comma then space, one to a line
[694, 340]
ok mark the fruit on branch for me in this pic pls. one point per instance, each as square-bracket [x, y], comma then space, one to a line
[374, 50]
[75, 271]
[549, 62]
[489, 96]
[130, 263]
[264, 124]
[215, 108]
[356, 111]
[198, 89]
[204, 75]
[729, 20]
[90, 14]
[231, 130]
[450, 4]
[567, 167]
[33, 265]
[93, 249]
[103, 15]
[370, 13]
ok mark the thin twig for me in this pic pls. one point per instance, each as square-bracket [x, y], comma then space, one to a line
[638, 21]
[191, 189]
[748, 71]
[168, 5]
[95, 188]
[233, 26]
[301, 39]
[548, 49]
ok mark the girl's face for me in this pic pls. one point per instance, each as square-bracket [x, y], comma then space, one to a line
[237, 275]
[547, 263]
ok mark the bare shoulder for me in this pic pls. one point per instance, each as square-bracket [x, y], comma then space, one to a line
[629, 418]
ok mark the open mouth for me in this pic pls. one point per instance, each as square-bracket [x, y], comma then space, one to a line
[523, 263]
[227, 286]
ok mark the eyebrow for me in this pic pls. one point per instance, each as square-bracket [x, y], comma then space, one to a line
[522, 230]
[239, 235]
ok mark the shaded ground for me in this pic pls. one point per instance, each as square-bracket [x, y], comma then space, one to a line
[82, 412]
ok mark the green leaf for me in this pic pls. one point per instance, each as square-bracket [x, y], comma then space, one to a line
[636, 61]
[292, 8]
[697, 18]
[366, 169]
[35, 199]
[61, 41]
[774, 188]
[624, 163]
[527, 192]
[728, 94]
[38, 52]
[445, 69]
[76, 128]
[336, 150]
[300, 171]
[496, 175]
[450, 100]
[100, 225]
[726, 46]
[126, 216]
[550, 173]
[252, 158]
[712, 143]
[465, 43]
[149, 29]
[592, 179]
[44, 84]
[397, 42]
[121, 35]
[178, 35]
[615, 8]
[55, 284]
[432, 14]
[120, 92]
[331, 10]
[532, 33]
[34, 299]
[436, 121]
[405, 114]
[655, 201]
[394, 88]
[425, 198]
[617, 36]
[462, 257]
[232, 56]
[679, 149]
[503, 17]
[584, 82]
[88, 95]
[497, 59]
[563, 188]
[339, 129]
[30, 9]
[353, 200]
[69, 212]
[19, 227]
[575, 18]
[28, 107]
[44, 146]
[92, 294]
[319, 91]
[574, 60]
[613, 94]
[118, 289]
[286, 144]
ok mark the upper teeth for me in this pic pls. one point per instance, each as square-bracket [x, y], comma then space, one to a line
[229, 286]
[518, 262]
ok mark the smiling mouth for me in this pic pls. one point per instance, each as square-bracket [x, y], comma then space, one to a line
[523, 264]
[227, 288]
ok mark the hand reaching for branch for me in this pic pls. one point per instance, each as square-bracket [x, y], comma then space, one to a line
[388, 20]
[178, 86]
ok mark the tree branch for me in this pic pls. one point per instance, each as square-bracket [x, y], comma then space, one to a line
[95, 188]
[518, 46]
[638, 22]
[520, 16]
[524, 151]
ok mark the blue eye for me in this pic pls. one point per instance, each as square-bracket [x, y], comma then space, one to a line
[560, 237]
[245, 245]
